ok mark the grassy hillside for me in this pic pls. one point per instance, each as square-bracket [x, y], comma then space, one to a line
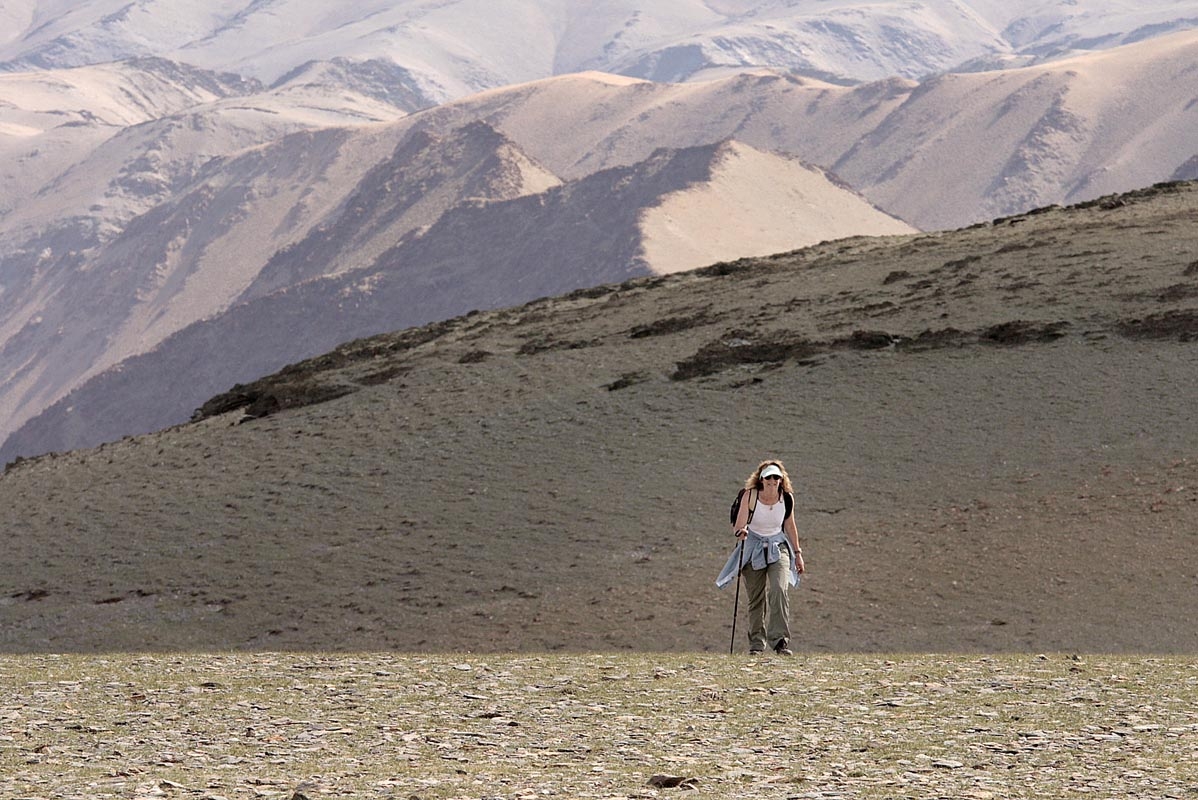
[992, 432]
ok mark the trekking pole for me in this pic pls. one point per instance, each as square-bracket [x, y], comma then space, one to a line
[740, 563]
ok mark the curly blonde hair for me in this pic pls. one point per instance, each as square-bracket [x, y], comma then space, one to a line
[754, 480]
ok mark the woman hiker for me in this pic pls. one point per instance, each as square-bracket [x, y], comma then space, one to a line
[765, 524]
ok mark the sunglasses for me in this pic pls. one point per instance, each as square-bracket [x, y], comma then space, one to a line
[773, 478]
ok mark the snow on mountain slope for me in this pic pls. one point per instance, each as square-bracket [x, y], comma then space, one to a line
[1048, 28]
[845, 41]
[73, 179]
[454, 48]
[48, 120]
[108, 142]
[15, 17]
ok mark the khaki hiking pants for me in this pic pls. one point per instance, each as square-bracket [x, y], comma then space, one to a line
[769, 603]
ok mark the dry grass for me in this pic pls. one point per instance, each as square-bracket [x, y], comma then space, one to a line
[598, 726]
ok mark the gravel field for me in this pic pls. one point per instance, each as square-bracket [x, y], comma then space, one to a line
[597, 726]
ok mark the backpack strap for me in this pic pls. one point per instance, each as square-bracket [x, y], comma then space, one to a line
[752, 505]
[790, 505]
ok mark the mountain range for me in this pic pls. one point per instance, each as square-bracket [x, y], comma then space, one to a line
[202, 197]
[439, 51]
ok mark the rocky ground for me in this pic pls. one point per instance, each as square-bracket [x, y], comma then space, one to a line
[601, 726]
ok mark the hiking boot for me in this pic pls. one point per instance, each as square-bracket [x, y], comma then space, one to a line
[756, 652]
[782, 648]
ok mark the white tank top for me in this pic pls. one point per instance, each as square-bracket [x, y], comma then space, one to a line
[767, 520]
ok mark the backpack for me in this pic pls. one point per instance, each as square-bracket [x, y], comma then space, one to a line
[787, 497]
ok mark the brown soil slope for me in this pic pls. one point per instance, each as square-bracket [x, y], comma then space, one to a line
[992, 433]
